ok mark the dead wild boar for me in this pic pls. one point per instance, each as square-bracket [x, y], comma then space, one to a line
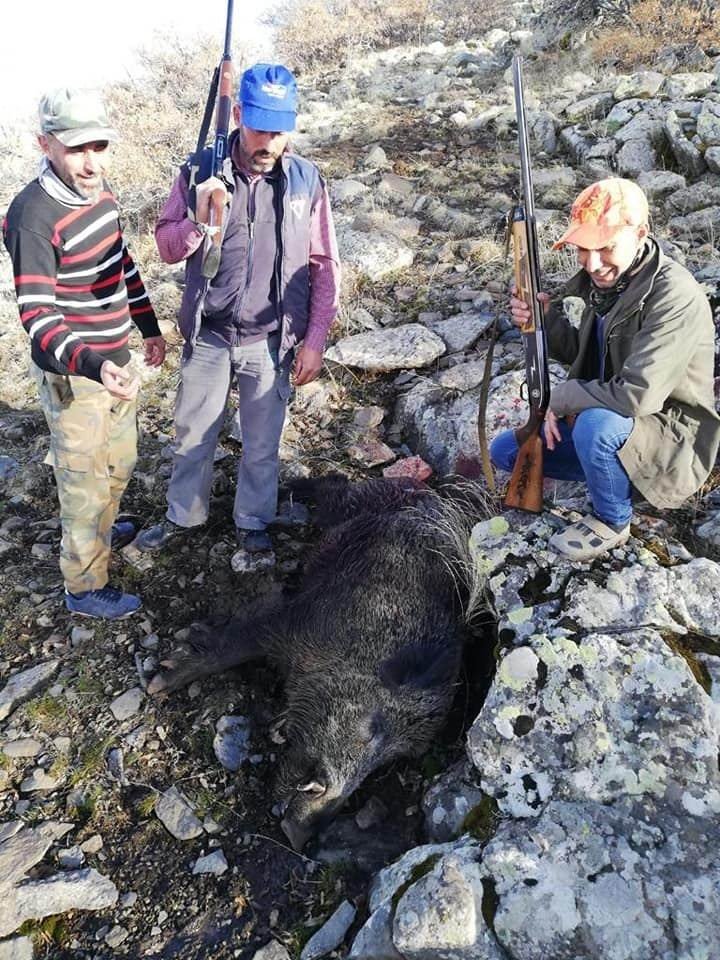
[370, 644]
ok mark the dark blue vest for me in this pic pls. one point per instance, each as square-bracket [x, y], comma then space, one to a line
[266, 285]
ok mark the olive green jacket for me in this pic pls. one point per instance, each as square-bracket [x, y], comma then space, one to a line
[659, 353]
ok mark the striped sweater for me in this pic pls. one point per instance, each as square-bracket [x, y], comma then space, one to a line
[78, 290]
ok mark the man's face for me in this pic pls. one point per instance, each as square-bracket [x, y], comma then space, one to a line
[82, 168]
[606, 265]
[260, 149]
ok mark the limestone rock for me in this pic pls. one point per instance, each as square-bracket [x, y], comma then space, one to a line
[460, 332]
[347, 190]
[398, 348]
[331, 934]
[127, 704]
[23, 685]
[232, 741]
[371, 453]
[660, 183]
[688, 156]
[271, 951]
[635, 157]
[17, 948]
[705, 223]
[441, 915]
[76, 890]
[214, 863]
[175, 813]
[596, 721]
[375, 256]
[681, 85]
[710, 530]
[643, 84]
[26, 747]
[39, 781]
[448, 802]
[708, 124]
[374, 940]
[630, 880]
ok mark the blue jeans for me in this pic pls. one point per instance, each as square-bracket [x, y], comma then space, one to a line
[588, 452]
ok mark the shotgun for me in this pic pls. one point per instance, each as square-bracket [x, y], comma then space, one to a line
[208, 162]
[525, 490]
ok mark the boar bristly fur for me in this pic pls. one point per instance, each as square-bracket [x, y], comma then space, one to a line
[370, 643]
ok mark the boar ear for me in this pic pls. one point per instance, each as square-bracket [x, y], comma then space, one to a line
[420, 666]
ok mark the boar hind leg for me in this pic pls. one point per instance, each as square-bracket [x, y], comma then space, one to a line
[208, 650]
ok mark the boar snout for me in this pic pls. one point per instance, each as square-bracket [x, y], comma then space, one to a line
[297, 835]
[308, 811]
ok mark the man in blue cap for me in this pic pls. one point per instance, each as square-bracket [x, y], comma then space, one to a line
[264, 315]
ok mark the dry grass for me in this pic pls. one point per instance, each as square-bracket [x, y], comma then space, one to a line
[313, 33]
[653, 25]
[158, 118]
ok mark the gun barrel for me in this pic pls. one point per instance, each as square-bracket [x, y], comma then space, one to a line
[228, 31]
[527, 259]
[525, 170]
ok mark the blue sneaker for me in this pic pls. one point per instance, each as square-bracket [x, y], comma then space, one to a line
[104, 604]
[123, 532]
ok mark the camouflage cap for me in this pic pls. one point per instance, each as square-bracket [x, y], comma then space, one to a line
[75, 117]
[601, 210]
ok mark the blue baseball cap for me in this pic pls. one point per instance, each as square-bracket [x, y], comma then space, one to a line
[268, 97]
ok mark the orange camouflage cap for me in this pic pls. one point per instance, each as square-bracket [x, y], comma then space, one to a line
[601, 210]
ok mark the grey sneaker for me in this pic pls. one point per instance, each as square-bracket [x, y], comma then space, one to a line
[153, 538]
[254, 541]
[123, 532]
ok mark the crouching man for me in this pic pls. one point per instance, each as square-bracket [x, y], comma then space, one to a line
[79, 293]
[637, 409]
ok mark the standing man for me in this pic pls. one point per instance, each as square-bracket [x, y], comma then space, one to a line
[266, 312]
[637, 408]
[79, 292]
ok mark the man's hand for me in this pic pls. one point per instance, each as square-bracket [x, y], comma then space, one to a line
[552, 430]
[520, 311]
[154, 351]
[209, 191]
[307, 366]
[118, 381]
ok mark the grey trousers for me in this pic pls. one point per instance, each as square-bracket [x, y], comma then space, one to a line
[207, 375]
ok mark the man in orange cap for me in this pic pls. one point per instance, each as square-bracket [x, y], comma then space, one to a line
[637, 409]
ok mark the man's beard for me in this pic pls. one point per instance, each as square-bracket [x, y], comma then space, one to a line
[262, 162]
[82, 189]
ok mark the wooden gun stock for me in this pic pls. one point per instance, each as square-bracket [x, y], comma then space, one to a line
[525, 489]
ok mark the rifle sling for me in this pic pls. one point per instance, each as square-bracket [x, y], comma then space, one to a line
[482, 411]
[195, 158]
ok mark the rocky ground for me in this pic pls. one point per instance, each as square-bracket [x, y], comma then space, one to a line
[136, 827]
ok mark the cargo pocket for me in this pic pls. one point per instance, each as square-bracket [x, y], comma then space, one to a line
[56, 392]
[69, 460]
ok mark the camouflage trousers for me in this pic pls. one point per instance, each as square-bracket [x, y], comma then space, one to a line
[93, 448]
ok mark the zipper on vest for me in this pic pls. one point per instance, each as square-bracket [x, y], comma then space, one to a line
[251, 232]
[240, 299]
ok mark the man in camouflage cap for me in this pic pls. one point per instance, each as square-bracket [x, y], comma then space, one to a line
[637, 410]
[79, 293]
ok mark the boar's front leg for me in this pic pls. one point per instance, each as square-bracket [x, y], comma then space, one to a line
[213, 649]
